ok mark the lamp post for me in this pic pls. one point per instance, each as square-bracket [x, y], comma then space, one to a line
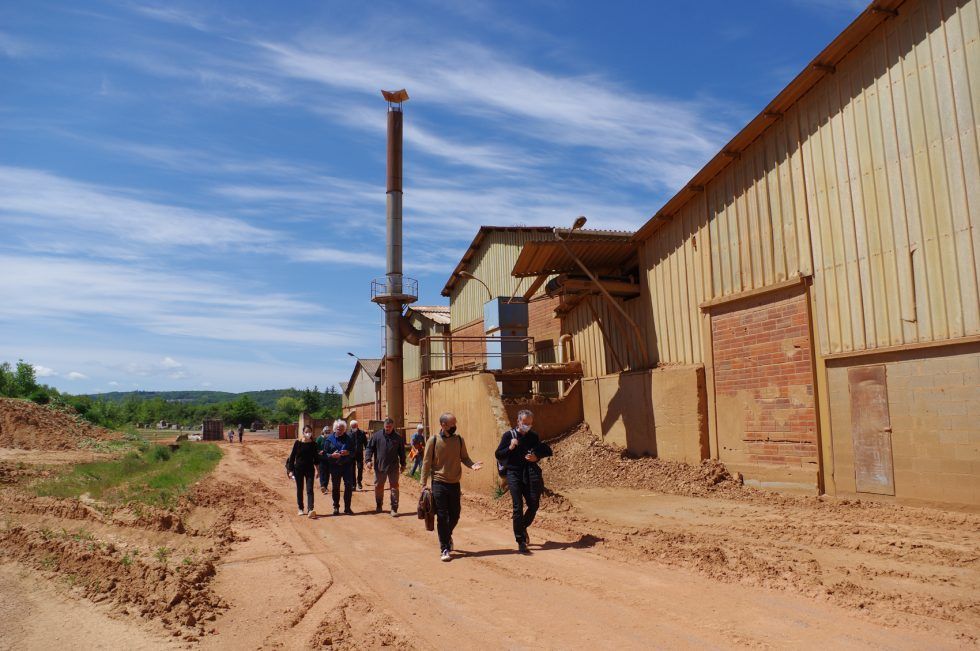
[469, 276]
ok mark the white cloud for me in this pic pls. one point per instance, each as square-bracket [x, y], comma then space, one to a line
[75, 375]
[113, 383]
[199, 305]
[170, 362]
[48, 202]
[352, 256]
[14, 47]
[44, 371]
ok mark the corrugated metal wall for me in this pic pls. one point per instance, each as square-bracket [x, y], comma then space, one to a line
[412, 356]
[599, 355]
[492, 264]
[363, 390]
[893, 183]
[878, 165]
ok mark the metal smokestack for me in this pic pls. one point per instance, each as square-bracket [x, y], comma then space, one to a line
[397, 290]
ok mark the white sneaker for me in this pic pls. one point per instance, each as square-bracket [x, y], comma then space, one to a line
[301, 512]
[445, 556]
[312, 513]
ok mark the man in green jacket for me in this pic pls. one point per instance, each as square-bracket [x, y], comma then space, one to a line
[445, 454]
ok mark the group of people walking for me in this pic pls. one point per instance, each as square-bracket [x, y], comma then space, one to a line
[338, 456]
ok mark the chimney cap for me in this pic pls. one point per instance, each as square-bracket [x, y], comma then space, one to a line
[395, 96]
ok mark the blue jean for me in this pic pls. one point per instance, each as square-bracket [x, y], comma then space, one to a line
[343, 472]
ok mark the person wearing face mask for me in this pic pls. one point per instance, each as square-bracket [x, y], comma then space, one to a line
[518, 454]
[443, 458]
[302, 466]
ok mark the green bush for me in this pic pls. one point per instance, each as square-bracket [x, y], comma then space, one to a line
[160, 453]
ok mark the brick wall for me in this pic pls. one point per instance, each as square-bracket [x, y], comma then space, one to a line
[467, 353]
[763, 382]
[414, 403]
[364, 412]
[933, 404]
[544, 327]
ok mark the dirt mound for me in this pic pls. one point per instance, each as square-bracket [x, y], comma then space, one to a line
[178, 596]
[582, 460]
[26, 425]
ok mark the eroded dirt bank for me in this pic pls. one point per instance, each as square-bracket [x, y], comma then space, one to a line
[693, 560]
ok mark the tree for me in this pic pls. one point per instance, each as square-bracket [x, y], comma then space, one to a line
[312, 400]
[6, 380]
[25, 380]
[243, 410]
[289, 407]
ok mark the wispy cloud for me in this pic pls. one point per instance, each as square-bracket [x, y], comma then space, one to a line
[38, 199]
[17, 48]
[199, 305]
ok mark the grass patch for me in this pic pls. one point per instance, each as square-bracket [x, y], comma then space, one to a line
[151, 475]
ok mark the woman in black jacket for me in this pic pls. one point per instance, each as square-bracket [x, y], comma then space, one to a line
[302, 466]
[517, 458]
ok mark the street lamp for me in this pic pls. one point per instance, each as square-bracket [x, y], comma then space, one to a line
[468, 275]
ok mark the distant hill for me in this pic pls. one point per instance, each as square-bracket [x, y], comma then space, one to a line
[266, 398]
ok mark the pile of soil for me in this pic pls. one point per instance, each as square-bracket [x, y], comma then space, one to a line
[24, 424]
[582, 460]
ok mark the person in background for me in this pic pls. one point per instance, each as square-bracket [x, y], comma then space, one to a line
[418, 446]
[323, 462]
[231, 436]
[518, 454]
[386, 456]
[302, 465]
[337, 448]
[360, 442]
[444, 455]
[241, 432]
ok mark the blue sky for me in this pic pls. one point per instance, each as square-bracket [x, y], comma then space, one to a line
[192, 193]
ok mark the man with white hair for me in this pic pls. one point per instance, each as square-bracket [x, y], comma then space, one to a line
[337, 449]
[360, 442]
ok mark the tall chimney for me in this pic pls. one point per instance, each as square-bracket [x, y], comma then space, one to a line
[397, 290]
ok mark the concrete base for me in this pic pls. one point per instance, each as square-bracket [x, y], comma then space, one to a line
[802, 481]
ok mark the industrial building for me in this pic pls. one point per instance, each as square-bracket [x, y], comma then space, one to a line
[805, 309]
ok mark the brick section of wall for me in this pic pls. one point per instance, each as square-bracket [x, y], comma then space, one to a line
[414, 403]
[364, 412]
[764, 381]
[934, 408]
[468, 353]
[543, 326]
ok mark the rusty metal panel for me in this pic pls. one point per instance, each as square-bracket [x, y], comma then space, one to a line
[871, 430]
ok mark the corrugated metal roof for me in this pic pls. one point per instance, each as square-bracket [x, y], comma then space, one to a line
[601, 252]
[437, 313]
[372, 366]
[481, 234]
[821, 66]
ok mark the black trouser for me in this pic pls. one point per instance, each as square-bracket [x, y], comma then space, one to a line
[306, 474]
[446, 498]
[523, 489]
[359, 463]
[324, 473]
[345, 472]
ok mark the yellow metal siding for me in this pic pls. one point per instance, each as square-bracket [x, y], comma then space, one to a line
[363, 390]
[412, 355]
[492, 264]
[877, 169]
[590, 347]
[893, 181]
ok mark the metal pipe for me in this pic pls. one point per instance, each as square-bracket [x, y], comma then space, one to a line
[394, 378]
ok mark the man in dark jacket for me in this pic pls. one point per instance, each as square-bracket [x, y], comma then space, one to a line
[337, 448]
[518, 454]
[386, 456]
[360, 442]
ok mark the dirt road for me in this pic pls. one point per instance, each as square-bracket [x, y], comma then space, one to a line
[371, 581]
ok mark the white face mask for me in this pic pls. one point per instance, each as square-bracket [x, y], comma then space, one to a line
[523, 428]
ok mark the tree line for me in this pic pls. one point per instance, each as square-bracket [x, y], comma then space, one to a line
[20, 381]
